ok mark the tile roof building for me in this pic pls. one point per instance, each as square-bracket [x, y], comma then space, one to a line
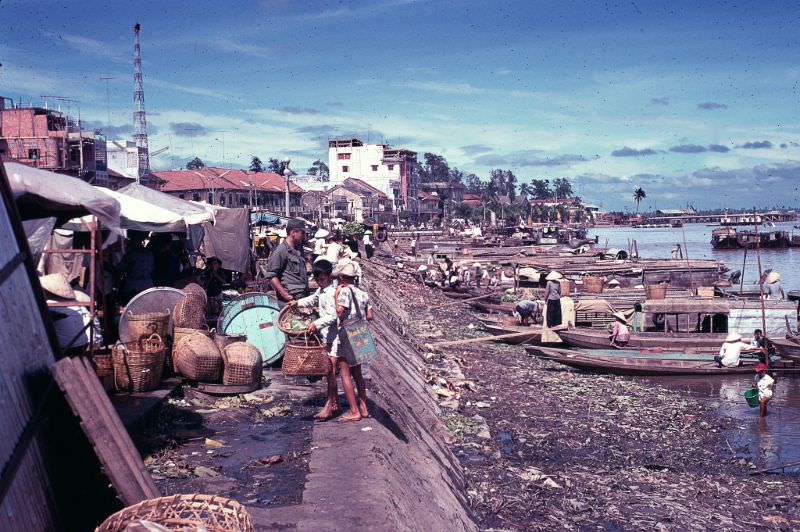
[231, 187]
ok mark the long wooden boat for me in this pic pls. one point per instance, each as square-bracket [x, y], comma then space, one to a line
[586, 338]
[534, 336]
[666, 364]
[787, 348]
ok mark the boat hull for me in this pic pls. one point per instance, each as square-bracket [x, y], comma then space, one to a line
[787, 348]
[638, 366]
[593, 339]
[534, 336]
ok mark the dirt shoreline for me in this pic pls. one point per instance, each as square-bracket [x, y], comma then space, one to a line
[576, 450]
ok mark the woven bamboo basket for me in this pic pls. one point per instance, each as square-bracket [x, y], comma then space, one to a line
[138, 366]
[307, 356]
[243, 364]
[224, 340]
[197, 358]
[147, 323]
[593, 284]
[103, 364]
[655, 291]
[289, 312]
[183, 512]
[194, 288]
[190, 312]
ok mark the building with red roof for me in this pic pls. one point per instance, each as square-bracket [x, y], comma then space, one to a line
[472, 199]
[232, 187]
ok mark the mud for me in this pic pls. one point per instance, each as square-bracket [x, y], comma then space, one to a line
[573, 450]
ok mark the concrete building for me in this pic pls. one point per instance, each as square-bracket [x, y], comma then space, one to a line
[229, 187]
[388, 169]
[356, 200]
[50, 140]
[123, 157]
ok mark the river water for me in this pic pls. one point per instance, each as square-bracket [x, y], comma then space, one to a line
[658, 243]
[766, 441]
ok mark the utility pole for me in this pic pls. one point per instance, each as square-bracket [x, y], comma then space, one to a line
[191, 131]
[108, 100]
[287, 173]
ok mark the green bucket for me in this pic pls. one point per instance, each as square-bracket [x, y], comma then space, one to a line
[751, 396]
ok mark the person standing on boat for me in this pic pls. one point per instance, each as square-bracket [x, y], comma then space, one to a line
[552, 297]
[772, 286]
[620, 335]
[766, 388]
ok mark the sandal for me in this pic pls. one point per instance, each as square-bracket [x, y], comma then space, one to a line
[347, 419]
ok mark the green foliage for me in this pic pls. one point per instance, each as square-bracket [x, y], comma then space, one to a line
[638, 195]
[562, 188]
[352, 228]
[405, 215]
[195, 164]
[256, 165]
[320, 169]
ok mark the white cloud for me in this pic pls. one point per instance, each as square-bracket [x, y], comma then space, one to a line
[90, 46]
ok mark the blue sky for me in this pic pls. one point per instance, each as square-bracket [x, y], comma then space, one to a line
[694, 101]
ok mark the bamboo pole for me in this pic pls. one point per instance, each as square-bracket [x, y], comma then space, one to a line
[481, 339]
[760, 283]
[741, 279]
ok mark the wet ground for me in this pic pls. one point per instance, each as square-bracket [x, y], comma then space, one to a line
[253, 448]
[768, 442]
[544, 446]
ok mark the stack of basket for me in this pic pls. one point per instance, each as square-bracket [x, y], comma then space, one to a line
[138, 365]
[197, 357]
[189, 315]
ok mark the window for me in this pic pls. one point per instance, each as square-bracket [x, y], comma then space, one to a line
[230, 198]
[345, 169]
[343, 156]
[195, 197]
[33, 154]
[222, 199]
[391, 167]
[374, 167]
[210, 198]
[182, 196]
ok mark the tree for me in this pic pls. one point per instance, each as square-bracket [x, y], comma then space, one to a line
[256, 165]
[474, 184]
[435, 168]
[320, 169]
[638, 195]
[540, 189]
[275, 166]
[562, 188]
[524, 189]
[195, 164]
[505, 182]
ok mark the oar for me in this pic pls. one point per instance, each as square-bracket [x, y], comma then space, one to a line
[782, 466]
[478, 340]
[467, 300]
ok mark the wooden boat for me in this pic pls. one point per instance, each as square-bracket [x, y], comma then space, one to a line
[586, 338]
[730, 238]
[660, 364]
[534, 336]
[787, 348]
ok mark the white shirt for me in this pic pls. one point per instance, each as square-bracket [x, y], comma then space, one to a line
[327, 322]
[367, 239]
[730, 353]
[765, 385]
[319, 247]
[333, 252]
[431, 260]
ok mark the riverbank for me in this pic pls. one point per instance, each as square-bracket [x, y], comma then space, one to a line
[544, 447]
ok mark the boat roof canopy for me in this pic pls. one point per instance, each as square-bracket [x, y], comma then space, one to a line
[686, 306]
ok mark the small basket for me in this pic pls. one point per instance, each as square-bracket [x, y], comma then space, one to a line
[183, 512]
[751, 396]
[103, 363]
[197, 358]
[655, 291]
[138, 366]
[305, 357]
[243, 364]
[190, 311]
[286, 314]
[148, 323]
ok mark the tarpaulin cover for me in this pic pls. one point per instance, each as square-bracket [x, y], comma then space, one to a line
[229, 239]
[190, 213]
[264, 218]
[42, 194]
[142, 215]
[686, 306]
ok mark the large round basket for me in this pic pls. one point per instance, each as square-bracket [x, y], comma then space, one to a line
[243, 364]
[194, 288]
[147, 323]
[138, 366]
[289, 313]
[655, 291]
[190, 311]
[183, 512]
[197, 358]
[593, 284]
[224, 340]
[305, 357]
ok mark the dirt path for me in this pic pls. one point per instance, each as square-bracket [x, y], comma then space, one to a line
[566, 449]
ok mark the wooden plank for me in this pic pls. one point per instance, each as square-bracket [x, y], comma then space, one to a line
[102, 426]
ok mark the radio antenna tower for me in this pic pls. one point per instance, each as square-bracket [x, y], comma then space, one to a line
[139, 118]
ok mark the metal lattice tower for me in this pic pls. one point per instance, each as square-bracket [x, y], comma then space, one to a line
[139, 118]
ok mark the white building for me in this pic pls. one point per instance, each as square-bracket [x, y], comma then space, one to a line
[388, 169]
[123, 157]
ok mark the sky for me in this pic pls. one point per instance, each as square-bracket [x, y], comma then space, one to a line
[695, 102]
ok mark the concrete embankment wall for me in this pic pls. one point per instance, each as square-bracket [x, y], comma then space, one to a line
[393, 472]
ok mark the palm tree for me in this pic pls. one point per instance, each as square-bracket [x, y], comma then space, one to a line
[256, 165]
[638, 195]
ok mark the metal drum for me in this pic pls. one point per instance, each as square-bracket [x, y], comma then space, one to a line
[158, 299]
[255, 315]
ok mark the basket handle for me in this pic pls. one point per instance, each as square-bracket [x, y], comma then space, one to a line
[157, 336]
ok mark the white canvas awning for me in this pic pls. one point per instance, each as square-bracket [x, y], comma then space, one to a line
[191, 213]
[42, 194]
